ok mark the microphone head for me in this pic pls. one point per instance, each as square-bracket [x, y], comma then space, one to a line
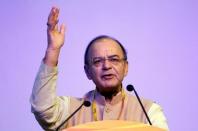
[130, 87]
[87, 103]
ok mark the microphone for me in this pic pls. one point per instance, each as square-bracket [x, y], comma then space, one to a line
[131, 88]
[85, 103]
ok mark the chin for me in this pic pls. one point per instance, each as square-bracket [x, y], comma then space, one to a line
[109, 87]
[109, 91]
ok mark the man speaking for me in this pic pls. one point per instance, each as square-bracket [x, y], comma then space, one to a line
[105, 63]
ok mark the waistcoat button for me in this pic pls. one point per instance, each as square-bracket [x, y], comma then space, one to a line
[107, 110]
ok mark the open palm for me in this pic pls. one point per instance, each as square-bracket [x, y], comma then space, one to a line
[55, 34]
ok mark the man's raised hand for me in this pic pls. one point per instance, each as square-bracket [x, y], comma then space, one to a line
[55, 38]
[55, 34]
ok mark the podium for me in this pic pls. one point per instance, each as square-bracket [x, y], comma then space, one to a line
[114, 125]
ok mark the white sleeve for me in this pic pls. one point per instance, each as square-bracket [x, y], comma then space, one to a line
[157, 117]
[49, 109]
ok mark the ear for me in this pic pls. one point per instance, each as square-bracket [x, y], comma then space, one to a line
[126, 68]
[87, 71]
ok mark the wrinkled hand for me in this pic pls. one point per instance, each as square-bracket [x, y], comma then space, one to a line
[55, 35]
[55, 38]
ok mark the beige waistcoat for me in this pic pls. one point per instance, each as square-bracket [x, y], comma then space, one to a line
[128, 109]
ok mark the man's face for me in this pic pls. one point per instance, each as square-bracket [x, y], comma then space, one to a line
[107, 66]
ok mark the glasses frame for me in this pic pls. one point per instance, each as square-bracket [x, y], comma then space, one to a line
[100, 61]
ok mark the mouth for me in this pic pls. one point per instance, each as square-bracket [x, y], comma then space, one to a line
[107, 76]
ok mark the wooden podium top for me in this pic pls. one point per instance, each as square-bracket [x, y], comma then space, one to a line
[114, 125]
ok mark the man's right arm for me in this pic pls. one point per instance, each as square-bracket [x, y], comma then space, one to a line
[49, 109]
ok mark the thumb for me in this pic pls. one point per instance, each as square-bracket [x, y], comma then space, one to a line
[62, 29]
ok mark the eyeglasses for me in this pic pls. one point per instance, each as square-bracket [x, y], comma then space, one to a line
[97, 62]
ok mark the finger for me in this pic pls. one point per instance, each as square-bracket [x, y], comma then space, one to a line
[53, 16]
[56, 13]
[50, 17]
[52, 13]
[56, 27]
[52, 26]
[62, 29]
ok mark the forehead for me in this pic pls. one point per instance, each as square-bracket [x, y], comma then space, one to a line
[105, 47]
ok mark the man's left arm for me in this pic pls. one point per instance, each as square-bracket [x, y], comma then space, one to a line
[157, 116]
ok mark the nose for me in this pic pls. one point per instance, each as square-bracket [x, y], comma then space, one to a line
[106, 65]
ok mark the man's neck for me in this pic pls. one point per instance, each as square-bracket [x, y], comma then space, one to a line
[109, 95]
